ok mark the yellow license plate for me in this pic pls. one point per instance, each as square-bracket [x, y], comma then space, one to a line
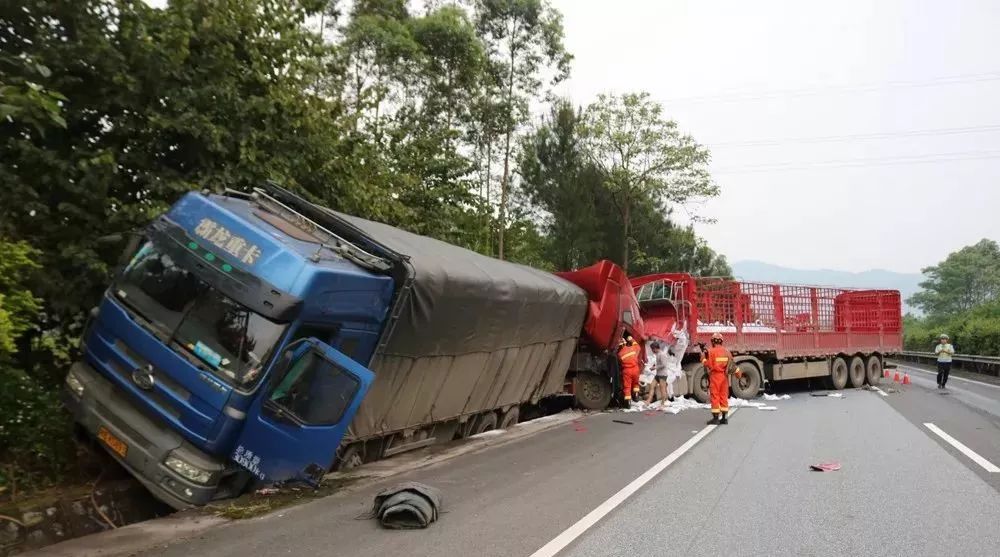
[115, 444]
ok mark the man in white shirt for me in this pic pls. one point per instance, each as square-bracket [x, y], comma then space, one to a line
[944, 351]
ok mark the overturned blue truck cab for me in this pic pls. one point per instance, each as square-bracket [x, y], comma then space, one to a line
[260, 339]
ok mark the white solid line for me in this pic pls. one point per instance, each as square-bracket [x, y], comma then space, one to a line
[573, 532]
[952, 377]
[987, 465]
[879, 391]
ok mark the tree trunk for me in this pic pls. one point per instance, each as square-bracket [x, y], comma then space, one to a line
[504, 187]
[505, 184]
[625, 219]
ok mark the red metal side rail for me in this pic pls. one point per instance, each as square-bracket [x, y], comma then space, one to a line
[785, 320]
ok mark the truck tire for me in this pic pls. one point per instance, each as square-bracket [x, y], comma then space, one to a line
[699, 385]
[485, 422]
[593, 391]
[747, 386]
[874, 370]
[856, 372]
[838, 374]
[350, 458]
[510, 418]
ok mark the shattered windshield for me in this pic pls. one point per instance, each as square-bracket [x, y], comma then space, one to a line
[231, 340]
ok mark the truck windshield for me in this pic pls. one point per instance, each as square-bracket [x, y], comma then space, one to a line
[231, 340]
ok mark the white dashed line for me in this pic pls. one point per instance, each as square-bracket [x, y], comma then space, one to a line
[575, 531]
[987, 465]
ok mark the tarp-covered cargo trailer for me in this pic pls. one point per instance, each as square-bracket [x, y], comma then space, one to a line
[474, 334]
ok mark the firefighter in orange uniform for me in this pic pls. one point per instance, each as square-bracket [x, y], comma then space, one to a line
[628, 357]
[718, 361]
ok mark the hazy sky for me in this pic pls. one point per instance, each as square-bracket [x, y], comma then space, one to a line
[847, 135]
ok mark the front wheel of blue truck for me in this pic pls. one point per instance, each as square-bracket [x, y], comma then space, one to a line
[592, 390]
[350, 457]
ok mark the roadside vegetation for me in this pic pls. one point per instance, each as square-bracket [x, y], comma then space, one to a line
[424, 117]
[961, 297]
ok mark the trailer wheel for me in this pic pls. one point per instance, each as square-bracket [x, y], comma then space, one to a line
[699, 385]
[350, 458]
[874, 370]
[510, 418]
[747, 386]
[856, 372]
[838, 374]
[593, 391]
[485, 422]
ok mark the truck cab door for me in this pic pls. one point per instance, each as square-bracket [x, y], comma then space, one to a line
[294, 427]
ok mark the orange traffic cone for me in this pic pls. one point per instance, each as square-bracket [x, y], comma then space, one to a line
[885, 373]
[906, 378]
[896, 377]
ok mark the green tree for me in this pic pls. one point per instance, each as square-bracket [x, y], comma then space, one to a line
[524, 41]
[967, 278]
[558, 180]
[570, 194]
[643, 156]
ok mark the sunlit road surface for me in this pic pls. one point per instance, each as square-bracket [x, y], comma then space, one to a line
[666, 485]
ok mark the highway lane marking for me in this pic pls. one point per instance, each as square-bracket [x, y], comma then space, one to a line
[575, 531]
[879, 391]
[987, 465]
[952, 377]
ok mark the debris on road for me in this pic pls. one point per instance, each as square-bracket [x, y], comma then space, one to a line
[825, 467]
[831, 395]
[623, 422]
[407, 506]
[267, 491]
[767, 408]
[682, 403]
[768, 396]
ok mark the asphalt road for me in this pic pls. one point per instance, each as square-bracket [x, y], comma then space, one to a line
[741, 489]
[967, 410]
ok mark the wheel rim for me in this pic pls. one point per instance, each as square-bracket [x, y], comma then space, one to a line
[591, 390]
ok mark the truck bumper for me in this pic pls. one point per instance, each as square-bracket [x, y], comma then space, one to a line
[149, 443]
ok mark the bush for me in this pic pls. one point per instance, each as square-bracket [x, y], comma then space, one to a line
[36, 444]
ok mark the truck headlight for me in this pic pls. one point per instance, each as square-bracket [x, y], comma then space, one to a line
[74, 384]
[188, 470]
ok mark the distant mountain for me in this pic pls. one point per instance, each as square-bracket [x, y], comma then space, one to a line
[906, 283]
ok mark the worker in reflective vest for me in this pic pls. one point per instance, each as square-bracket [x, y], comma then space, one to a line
[628, 357]
[718, 361]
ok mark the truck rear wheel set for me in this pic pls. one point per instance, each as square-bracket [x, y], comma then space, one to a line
[593, 390]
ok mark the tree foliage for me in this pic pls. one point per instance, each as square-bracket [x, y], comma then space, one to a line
[580, 211]
[967, 278]
[961, 297]
[524, 39]
[642, 156]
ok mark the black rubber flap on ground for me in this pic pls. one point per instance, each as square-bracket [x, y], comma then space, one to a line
[407, 506]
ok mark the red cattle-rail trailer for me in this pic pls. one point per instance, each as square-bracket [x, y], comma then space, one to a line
[775, 331]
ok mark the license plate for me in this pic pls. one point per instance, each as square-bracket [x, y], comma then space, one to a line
[115, 444]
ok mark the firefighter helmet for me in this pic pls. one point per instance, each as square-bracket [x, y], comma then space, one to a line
[716, 338]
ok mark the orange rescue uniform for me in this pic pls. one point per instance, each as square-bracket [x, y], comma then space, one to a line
[629, 358]
[717, 363]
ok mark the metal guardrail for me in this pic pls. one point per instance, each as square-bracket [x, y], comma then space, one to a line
[987, 365]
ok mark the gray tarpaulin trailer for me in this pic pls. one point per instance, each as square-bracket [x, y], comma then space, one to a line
[473, 334]
[466, 336]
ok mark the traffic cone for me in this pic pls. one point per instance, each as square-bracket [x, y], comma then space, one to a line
[906, 378]
[885, 373]
[896, 377]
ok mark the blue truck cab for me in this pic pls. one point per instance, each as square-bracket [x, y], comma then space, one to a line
[233, 348]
